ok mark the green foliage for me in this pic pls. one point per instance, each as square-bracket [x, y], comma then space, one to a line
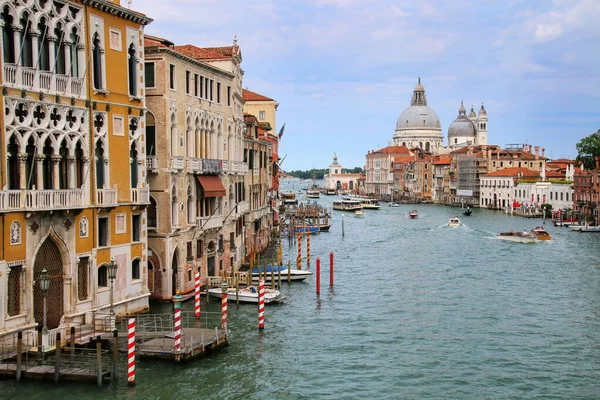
[587, 148]
[320, 173]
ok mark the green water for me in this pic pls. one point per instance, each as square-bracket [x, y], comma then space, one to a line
[419, 310]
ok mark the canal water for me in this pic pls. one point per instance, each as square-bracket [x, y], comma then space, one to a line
[419, 310]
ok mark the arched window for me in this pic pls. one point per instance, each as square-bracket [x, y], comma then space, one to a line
[97, 62]
[74, 39]
[30, 169]
[102, 276]
[152, 213]
[8, 37]
[427, 146]
[14, 170]
[26, 43]
[135, 269]
[44, 46]
[133, 163]
[189, 138]
[174, 211]
[100, 173]
[79, 165]
[191, 206]
[198, 139]
[132, 69]
[63, 167]
[173, 135]
[59, 50]
[150, 135]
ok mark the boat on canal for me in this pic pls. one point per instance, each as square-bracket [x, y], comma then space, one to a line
[359, 213]
[413, 214]
[248, 295]
[347, 204]
[289, 199]
[454, 222]
[369, 204]
[467, 211]
[313, 194]
[591, 229]
[308, 229]
[295, 274]
[520, 237]
[330, 192]
[541, 233]
[394, 204]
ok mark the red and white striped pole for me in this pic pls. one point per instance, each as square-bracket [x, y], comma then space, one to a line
[224, 307]
[177, 322]
[131, 352]
[261, 304]
[197, 295]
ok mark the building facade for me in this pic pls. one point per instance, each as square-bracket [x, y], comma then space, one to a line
[587, 193]
[340, 181]
[379, 172]
[498, 187]
[71, 204]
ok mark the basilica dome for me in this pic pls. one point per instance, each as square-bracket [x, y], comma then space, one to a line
[418, 115]
[462, 125]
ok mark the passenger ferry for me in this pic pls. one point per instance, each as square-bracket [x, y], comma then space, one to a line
[369, 204]
[289, 199]
[331, 192]
[347, 205]
[313, 194]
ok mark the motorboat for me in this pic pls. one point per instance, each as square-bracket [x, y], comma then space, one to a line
[313, 194]
[359, 213]
[394, 204]
[454, 222]
[591, 229]
[369, 204]
[347, 204]
[467, 211]
[576, 227]
[520, 237]
[413, 214]
[289, 199]
[541, 233]
[247, 295]
[295, 274]
[307, 229]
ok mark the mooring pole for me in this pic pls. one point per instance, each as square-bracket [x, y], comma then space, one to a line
[72, 348]
[57, 359]
[318, 275]
[19, 354]
[99, 360]
[115, 355]
[331, 268]
[131, 352]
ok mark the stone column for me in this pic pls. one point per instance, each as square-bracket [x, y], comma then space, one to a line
[71, 174]
[56, 172]
[39, 165]
[22, 170]
[52, 59]
[35, 56]
[17, 46]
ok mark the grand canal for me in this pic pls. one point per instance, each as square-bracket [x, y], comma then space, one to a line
[419, 310]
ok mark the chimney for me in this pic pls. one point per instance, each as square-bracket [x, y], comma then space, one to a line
[597, 162]
[543, 151]
[537, 150]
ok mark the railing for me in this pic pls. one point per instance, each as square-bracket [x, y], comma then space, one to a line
[227, 166]
[152, 163]
[194, 165]
[214, 221]
[41, 199]
[212, 166]
[255, 171]
[32, 79]
[140, 195]
[235, 167]
[177, 163]
[259, 213]
[106, 197]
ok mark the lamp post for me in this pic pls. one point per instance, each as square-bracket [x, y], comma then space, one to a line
[112, 274]
[44, 280]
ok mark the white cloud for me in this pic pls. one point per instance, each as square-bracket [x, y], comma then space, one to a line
[398, 12]
[544, 33]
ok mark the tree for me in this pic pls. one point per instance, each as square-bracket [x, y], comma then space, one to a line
[587, 148]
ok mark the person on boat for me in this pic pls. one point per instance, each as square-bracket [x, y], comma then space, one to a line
[525, 233]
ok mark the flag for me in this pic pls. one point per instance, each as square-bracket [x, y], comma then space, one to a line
[281, 131]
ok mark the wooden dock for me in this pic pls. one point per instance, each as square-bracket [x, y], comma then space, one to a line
[47, 372]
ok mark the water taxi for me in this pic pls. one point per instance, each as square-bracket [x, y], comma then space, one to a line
[413, 214]
[541, 233]
[359, 213]
[454, 222]
[520, 237]
[248, 295]
[289, 199]
[347, 205]
[295, 274]
[313, 194]
[369, 204]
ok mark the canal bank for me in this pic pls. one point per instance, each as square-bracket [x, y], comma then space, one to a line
[419, 310]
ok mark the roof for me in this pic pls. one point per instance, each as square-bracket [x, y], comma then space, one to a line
[248, 95]
[442, 159]
[393, 150]
[403, 159]
[514, 173]
[250, 119]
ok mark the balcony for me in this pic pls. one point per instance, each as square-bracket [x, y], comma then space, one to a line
[177, 163]
[259, 213]
[212, 222]
[242, 208]
[235, 167]
[152, 163]
[212, 166]
[40, 200]
[194, 165]
[255, 171]
[106, 197]
[140, 195]
[20, 77]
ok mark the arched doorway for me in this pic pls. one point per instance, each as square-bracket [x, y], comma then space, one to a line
[49, 257]
[174, 266]
[150, 276]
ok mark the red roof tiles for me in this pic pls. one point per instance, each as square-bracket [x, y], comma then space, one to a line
[248, 95]
[514, 173]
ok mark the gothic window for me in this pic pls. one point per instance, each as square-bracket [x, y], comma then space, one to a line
[14, 290]
[133, 159]
[82, 278]
[59, 50]
[189, 137]
[191, 209]
[199, 145]
[132, 69]
[174, 205]
[97, 62]
[8, 37]
[136, 227]
[150, 135]
[79, 165]
[427, 146]
[102, 276]
[173, 135]
[152, 213]
[74, 39]
[100, 173]
[135, 269]
[26, 42]
[14, 172]
[44, 46]
[30, 169]
[47, 166]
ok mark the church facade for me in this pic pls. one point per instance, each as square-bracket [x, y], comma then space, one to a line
[339, 181]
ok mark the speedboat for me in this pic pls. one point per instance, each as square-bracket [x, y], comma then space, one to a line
[520, 237]
[359, 213]
[307, 229]
[576, 227]
[295, 274]
[595, 229]
[413, 214]
[248, 294]
[454, 222]
[541, 233]
[394, 204]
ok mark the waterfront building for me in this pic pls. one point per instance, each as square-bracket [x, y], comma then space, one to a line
[498, 187]
[72, 77]
[440, 174]
[402, 177]
[263, 108]
[341, 181]
[258, 223]
[586, 195]
[379, 172]
[195, 165]
[468, 130]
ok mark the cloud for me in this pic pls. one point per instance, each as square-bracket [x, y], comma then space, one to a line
[544, 33]
[398, 12]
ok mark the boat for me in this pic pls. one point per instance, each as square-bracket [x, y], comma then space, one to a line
[520, 237]
[467, 211]
[295, 274]
[576, 227]
[454, 222]
[248, 295]
[541, 233]
[591, 229]
[346, 204]
[413, 214]
[368, 203]
[564, 222]
[359, 213]
[330, 192]
[309, 228]
[394, 204]
[289, 199]
[313, 194]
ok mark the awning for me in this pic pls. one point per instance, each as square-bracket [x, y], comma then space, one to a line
[212, 186]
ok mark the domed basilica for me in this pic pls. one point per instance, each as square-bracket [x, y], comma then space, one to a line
[419, 126]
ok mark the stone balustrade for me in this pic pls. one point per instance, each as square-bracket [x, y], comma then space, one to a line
[41, 200]
[177, 163]
[106, 197]
[152, 163]
[21, 77]
[140, 195]
[194, 165]
[212, 222]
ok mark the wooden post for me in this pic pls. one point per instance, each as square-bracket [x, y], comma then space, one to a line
[299, 260]
[237, 293]
[115, 355]
[289, 276]
[279, 275]
[99, 360]
[19, 355]
[343, 226]
[331, 268]
[318, 276]
[57, 358]
[307, 247]
[273, 283]
[72, 345]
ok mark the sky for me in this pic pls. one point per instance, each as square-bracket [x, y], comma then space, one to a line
[343, 71]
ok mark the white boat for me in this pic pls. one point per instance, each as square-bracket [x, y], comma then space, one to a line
[369, 204]
[454, 222]
[289, 199]
[295, 274]
[392, 204]
[590, 229]
[347, 204]
[359, 213]
[520, 237]
[576, 227]
[248, 295]
[313, 194]
[330, 192]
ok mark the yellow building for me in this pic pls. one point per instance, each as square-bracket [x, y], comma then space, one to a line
[262, 107]
[74, 192]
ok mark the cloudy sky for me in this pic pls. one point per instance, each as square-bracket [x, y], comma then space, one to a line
[343, 70]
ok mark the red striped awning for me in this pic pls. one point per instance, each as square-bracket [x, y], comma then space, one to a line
[212, 186]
